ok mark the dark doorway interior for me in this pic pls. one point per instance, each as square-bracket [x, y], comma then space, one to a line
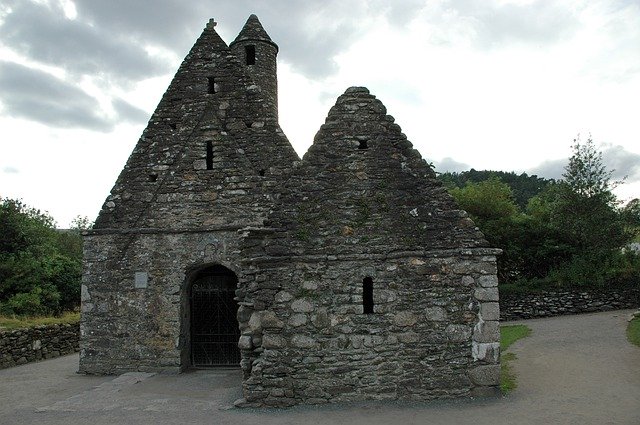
[214, 326]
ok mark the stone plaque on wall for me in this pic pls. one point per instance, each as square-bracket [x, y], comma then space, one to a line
[141, 280]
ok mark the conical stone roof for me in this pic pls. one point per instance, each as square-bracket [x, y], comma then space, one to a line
[363, 189]
[253, 31]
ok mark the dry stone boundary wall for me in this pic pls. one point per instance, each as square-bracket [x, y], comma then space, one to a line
[22, 346]
[558, 303]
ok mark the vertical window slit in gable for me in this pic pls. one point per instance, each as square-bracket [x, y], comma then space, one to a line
[211, 87]
[209, 159]
[250, 54]
[367, 295]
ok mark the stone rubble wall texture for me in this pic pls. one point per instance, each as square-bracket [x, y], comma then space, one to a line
[186, 216]
[558, 303]
[363, 203]
[301, 236]
[26, 345]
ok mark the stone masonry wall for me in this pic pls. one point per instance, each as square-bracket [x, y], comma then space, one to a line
[558, 303]
[127, 326]
[22, 346]
[433, 333]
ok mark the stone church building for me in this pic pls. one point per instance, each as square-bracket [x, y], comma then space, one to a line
[348, 275]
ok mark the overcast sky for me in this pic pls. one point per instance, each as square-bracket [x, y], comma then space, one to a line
[491, 84]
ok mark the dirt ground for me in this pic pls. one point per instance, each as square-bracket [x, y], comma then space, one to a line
[572, 370]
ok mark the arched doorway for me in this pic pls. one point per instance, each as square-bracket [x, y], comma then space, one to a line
[214, 327]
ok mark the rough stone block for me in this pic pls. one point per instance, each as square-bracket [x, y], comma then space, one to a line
[405, 318]
[488, 281]
[486, 375]
[302, 306]
[298, 319]
[486, 294]
[486, 352]
[302, 341]
[490, 311]
[244, 343]
[273, 341]
[269, 320]
[458, 333]
[435, 314]
[486, 331]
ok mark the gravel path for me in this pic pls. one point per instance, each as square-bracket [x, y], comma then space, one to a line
[572, 370]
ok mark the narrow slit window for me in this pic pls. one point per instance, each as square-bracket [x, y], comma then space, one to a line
[261, 172]
[363, 145]
[250, 54]
[209, 155]
[367, 295]
[211, 88]
[153, 177]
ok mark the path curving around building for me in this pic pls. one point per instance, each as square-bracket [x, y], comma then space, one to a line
[571, 370]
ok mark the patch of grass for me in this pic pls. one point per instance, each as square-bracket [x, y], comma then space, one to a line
[633, 331]
[15, 322]
[511, 333]
[508, 335]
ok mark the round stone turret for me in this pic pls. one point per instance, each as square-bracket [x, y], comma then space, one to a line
[258, 54]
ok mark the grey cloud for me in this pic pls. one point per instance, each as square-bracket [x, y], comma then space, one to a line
[128, 112]
[38, 96]
[10, 170]
[622, 162]
[450, 165]
[551, 169]
[44, 34]
[493, 23]
[616, 158]
[309, 33]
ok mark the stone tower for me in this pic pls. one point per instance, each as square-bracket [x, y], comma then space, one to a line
[209, 163]
[258, 53]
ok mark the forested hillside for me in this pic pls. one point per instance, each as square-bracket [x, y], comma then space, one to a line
[565, 233]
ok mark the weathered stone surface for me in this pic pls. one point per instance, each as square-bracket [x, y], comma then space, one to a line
[458, 333]
[22, 346]
[302, 341]
[488, 281]
[487, 352]
[298, 319]
[486, 294]
[405, 318]
[273, 341]
[435, 314]
[485, 375]
[486, 331]
[489, 311]
[302, 306]
[354, 269]
[283, 297]
[244, 343]
[556, 303]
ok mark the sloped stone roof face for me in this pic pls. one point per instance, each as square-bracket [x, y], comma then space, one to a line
[362, 188]
[166, 183]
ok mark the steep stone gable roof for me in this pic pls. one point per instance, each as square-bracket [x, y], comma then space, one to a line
[362, 188]
[164, 173]
[253, 31]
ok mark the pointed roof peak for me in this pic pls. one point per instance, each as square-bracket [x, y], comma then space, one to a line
[253, 31]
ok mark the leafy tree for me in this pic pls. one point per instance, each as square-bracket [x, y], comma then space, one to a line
[584, 220]
[523, 186]
[40, 267]
[491, 206]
